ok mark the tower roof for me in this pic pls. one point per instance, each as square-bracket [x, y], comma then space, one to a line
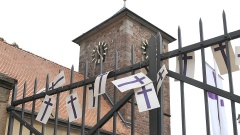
[121, 13]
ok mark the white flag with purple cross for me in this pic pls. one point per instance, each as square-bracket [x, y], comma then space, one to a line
[58, 81]
[237, 55]
[92, 100]
[131, 82]
[73, 107]
[216, 103]
[160, 76]
[46, 109]
[188, 63]
[146, 98]
[219, 54]
[100, 84]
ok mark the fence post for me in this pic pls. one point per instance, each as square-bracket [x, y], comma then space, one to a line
[6, 85]
[153, 121]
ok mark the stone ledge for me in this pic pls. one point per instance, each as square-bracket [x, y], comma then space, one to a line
[7, 82]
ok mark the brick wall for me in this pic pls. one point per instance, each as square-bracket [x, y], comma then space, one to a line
[121, 35]
[6, 85]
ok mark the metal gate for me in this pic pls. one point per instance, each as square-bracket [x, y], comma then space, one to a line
[153, 64]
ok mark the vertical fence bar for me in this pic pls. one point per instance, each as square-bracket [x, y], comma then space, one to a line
[71, 78]
[56, 112]
[23, 106]
[47, 88]
[204, 78]
[71, 81]
[33, 104]
[160, 93]
[84, 99]
[153, 76]
[132, 98]
[230, 74]
[11, 119]
[99, 97]
[181, 84]
[115, 94]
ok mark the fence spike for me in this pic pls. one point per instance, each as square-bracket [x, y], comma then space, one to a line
[224, 23]
[47, 88]
[233, 107]
[35, 86]
[132, 54]
[160, 111]
[72, 73]
[47, 82]
[33, 104]
[181, 83]
[23, 108]
[24, 89]
[204, 79]
[179, 38]
[56, 111]
[201, 29]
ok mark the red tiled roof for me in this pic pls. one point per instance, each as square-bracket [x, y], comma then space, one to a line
[25, 66]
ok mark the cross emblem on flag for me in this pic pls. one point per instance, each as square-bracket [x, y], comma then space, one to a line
[46, 109]
[140, 80]
[185, 58]
[188, 64]
[131, 82]
[160, 76]
[100, 84]
[73, 107]
[92, 101]
[219, 54]
[146, 98]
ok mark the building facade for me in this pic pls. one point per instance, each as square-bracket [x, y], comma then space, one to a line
[120, 32]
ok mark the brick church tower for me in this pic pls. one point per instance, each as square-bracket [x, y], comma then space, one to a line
[120, 32]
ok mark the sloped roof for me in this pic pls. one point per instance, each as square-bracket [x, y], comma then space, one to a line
[25, 66]
[121, 13]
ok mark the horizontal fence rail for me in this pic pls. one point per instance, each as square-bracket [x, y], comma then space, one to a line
[199, 45]
[80, 83]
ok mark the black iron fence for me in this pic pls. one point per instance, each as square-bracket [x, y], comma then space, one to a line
[156, 121]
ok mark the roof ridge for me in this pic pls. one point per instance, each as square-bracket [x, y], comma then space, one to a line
[30, 53]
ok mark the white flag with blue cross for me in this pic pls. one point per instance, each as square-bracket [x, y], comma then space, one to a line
[160, 76]
[131, 82]
[146, 98]
[73, 107]
[100, 84]
[220, 56]
[46, 109]
[188, 63]
[92, 100]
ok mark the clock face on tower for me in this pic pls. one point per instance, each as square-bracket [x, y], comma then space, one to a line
[145, 49]
[98, 51]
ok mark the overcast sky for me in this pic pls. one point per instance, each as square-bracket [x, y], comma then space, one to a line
[47, 28]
